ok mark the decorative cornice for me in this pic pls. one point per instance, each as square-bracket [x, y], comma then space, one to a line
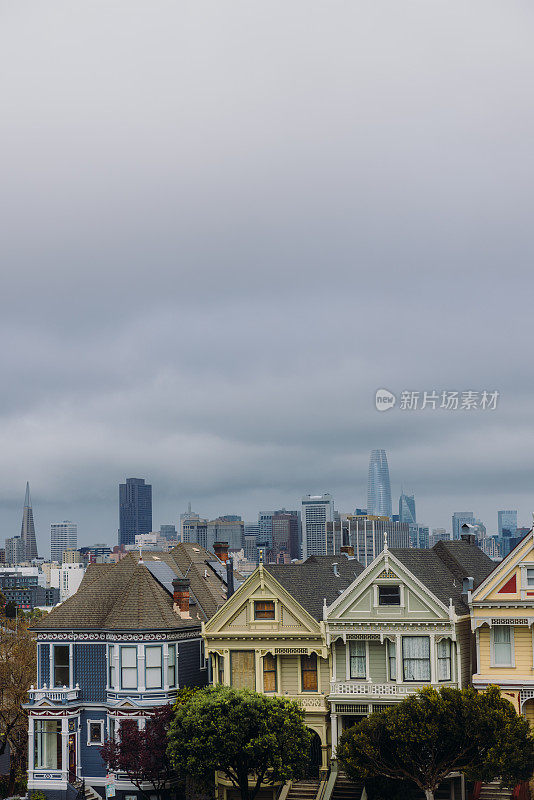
[72, 636]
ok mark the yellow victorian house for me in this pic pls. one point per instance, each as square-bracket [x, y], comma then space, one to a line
[270, 637]
[502, 617]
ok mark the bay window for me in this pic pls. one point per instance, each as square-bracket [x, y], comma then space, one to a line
[61, 665]
[47, 744]
[128, 659]
[153, 667]
[171, 666]
[502, 646]
[358, 659]
[444, 660]
[416, 658]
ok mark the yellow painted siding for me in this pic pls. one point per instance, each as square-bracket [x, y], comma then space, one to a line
[523, 656]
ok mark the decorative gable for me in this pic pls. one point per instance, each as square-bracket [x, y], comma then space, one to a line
[387, 573]
[510, 587]
[512, 579]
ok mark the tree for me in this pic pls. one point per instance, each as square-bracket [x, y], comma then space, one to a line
[142, 754]
[245, 735]
[432, 733]
[17, 673]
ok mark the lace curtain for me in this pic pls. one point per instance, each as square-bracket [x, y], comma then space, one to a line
[416, 658]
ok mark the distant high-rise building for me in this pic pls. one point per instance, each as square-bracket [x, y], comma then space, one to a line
[438, 535]
[507, 521]
[285, 534]
[15, 550]
[265, 522]
[317, 510]
[460, 518]
[407, 509]
[229, 528]
[366, 536]
[252, 529]
[28, 528]
[195, 530]
[187, 515]
[168, 531]
[378, 485]
[63, 536]
[135, 509]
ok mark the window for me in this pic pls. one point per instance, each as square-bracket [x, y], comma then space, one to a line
[111, 728]
[264, 609]
[171, 666]
[308, 665]
[269, 673]
[530, 576]
[153, 667]
[502, 646]
[389, 595]
[47, 744]
[128, 667]
[392, 661]
[61, 665]
[220, 668]
[444, 660]
[416, 658]
[95, 732]
[111, 666]
[358, 660]
[243, 669]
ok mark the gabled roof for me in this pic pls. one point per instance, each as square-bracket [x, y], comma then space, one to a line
[443, 567]
[314, 580]
[128, 595]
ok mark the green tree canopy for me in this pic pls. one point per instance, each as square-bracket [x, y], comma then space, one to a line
[245, 735]
[432, 733]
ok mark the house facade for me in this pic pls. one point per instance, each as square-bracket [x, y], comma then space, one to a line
[270, 637]
[402, 624]
[121, 646]
[502, 616]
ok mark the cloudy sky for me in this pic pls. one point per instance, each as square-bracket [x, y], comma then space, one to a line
[226, 224]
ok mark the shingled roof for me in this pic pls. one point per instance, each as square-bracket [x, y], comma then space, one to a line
[315, 579]
[443, 568]
[128, 596]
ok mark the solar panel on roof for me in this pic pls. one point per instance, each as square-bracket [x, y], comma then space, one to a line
[162, 573]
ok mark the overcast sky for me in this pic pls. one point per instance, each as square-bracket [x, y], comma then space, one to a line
[225, 224]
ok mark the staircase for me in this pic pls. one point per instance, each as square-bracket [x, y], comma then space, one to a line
[89, 792]
[303, 790]
[345, 789]
[493, 791]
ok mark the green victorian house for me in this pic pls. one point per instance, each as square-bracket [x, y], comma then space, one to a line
[270, 637]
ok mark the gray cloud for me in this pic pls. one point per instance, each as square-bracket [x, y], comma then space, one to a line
[225, 225]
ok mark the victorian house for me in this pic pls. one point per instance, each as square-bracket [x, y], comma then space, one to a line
[402, 624]
[270, 637]
[122, 645]
[502, 615]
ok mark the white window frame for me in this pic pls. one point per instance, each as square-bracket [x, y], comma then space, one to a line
[161, 676]
[449, 659]
[53, 665]
[347, 657]
[493, 663]
[174, 648]
[389, 645]
[129, 688]
[112, 666]
[100, 723]
[389, 582]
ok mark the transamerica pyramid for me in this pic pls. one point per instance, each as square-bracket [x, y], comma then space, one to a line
[28, 528]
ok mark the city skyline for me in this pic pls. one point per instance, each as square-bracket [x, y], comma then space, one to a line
[213, 299]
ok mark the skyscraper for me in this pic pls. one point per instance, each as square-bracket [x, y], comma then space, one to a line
[460, 518]
[135, 509]
[27, 532]
[63, 536]
[407, 509]
[507, 522]
[378, 486]
[317, 510]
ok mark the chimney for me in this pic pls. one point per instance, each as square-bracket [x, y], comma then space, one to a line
[181, 597]
[335, 568]
[221, 551]
[467, 586]
[467, 534]
[348, 549]
[229, 578]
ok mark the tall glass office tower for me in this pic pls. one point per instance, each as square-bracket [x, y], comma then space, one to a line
[135, 509]
[378, 486]
[407, 509]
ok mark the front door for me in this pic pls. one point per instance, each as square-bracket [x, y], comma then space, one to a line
[72, 758]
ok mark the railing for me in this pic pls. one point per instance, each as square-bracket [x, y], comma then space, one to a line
[58, 694]
[309, 702]
[373, 689]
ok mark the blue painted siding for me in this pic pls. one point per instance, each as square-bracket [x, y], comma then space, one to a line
[189, 672]
[92, 764]
[90, 671]
[44, 665]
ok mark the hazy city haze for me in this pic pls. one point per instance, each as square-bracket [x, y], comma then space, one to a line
[226, 224]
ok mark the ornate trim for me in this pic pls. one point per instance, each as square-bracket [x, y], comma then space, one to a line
[117, 637]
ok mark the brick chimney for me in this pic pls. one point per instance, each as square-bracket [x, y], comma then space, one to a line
[181, 597]
[348, 549]
[221, 551]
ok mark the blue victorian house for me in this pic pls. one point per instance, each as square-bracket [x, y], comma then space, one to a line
[122, 645]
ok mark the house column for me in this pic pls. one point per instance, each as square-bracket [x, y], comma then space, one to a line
[334, 665]
[432, 658]
[31, 746]
[398, 657]
[65, 748]
[141, 668]
[333, 721]
[259, 671]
